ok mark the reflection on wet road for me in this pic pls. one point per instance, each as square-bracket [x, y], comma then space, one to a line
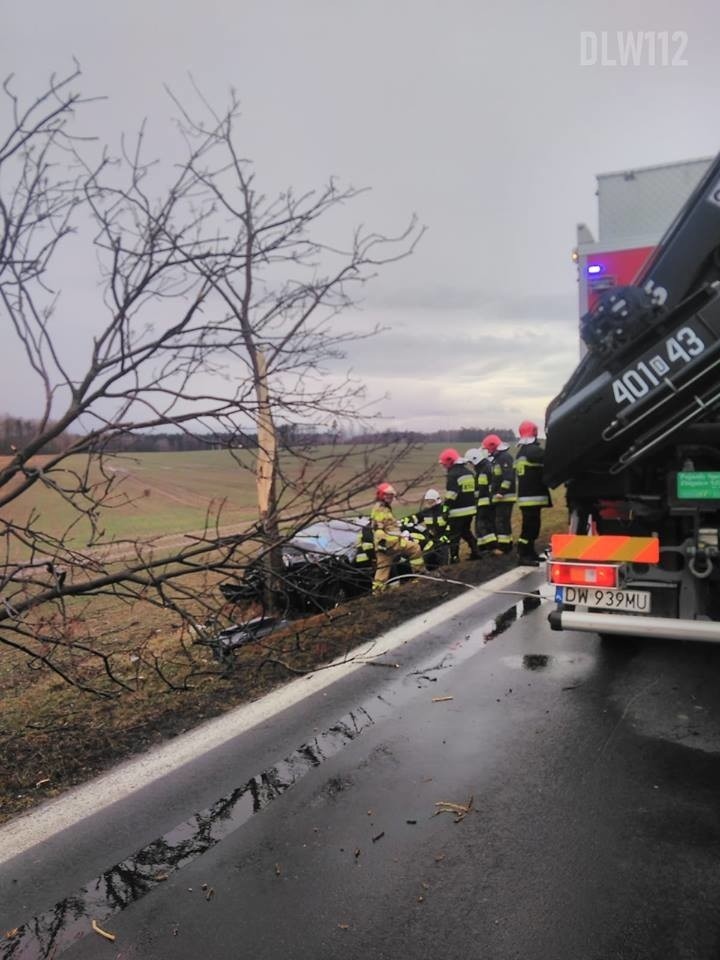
[50, 933]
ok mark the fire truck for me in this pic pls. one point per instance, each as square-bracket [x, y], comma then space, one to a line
[634, 435]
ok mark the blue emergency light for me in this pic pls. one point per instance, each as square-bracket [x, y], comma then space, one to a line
[595, 268]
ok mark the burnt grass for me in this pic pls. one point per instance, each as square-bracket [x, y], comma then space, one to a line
[66, 747]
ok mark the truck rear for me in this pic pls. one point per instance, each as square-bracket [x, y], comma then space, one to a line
[635, 437]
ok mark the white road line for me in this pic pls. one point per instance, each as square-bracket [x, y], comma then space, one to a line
[132, 775]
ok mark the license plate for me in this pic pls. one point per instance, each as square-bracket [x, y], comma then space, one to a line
[637, 601]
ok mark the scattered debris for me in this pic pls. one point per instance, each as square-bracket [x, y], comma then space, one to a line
[441, 699]
[41, 783]
[344, 926]
[160, 876]
[277, 870]
[203, 886]
[572, 686]
[210, 894]
[420, 898]
[461, 809]
[438, 857]
[411, 821]
[381, 663]
[103, 933]
[11, 934]
[378, 837]
[370, 813]
[357, 852]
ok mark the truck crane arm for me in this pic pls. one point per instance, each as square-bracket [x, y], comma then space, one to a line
[652, 365]
[635, 437]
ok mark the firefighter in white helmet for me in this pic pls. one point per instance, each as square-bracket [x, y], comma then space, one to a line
[484, 521]
[431, 519]
[390, 544]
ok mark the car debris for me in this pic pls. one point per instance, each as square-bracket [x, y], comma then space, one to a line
[224, 643]
[441, 699]
[103, 933]
[460, 809]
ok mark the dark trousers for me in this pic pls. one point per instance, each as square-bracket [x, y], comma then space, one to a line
[485, 528]
[460, 528]
[529, 531]
[502, 510]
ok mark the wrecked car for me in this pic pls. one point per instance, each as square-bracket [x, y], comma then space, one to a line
[321, 567]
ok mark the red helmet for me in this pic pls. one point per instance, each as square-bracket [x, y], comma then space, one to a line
[528, 429]
[491, 442]
[385, 491]
[448, 457]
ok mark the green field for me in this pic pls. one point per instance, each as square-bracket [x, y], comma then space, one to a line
[160, 494]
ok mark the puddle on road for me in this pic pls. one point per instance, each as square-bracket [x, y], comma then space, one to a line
[50, 933]
[536, 661]
[556, 663]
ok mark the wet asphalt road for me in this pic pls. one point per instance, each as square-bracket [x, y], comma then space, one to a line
[594, 830]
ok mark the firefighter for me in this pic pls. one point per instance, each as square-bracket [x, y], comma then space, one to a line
[459, 503]
[431, 521]
[502, 491]
[484, 524]
[532, 493]
[365, 558]
[390, 544]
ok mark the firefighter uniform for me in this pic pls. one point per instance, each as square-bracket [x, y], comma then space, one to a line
[431, 525]
[532, 495]
[365, 559]
[484, 522]
[502, 496]
[390, 544]
[460, 508]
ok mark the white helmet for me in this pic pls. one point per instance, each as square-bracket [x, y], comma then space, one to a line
[475, 455]
[433, 495]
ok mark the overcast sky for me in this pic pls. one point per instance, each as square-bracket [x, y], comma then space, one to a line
[476, 115]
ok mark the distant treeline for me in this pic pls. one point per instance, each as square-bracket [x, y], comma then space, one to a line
[16, 433]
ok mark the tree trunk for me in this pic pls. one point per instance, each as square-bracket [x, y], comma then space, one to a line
[266, 477]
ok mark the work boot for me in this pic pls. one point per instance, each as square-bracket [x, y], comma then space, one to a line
[527, 562]
[527, 559]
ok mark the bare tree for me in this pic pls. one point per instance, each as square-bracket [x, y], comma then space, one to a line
[217, 317]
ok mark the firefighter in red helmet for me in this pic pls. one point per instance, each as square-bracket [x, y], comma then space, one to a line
[502, 490]
[460, 495]
[533, 494]
[389, 540]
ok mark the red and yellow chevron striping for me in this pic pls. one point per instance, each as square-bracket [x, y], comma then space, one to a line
[572, 546]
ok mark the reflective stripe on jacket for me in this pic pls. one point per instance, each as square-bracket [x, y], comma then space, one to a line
[531, 488]
[386, 528]
[502, 484]
[460, 493]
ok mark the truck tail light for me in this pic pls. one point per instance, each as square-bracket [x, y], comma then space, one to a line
[584, 574]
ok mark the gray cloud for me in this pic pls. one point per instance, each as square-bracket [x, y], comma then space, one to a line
[478, 116]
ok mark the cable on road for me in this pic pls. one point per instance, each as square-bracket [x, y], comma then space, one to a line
[460, 583]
